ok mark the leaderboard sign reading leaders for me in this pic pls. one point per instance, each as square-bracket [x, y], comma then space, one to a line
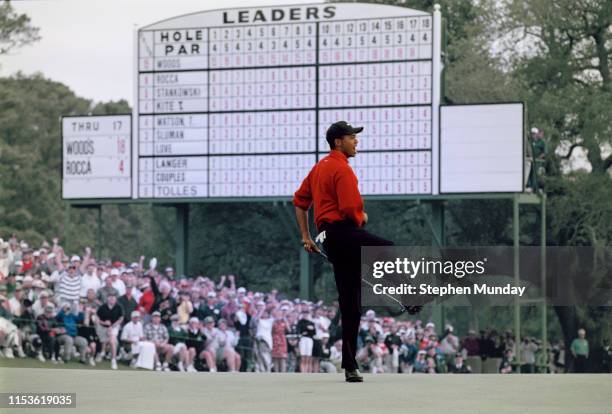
[235, 103]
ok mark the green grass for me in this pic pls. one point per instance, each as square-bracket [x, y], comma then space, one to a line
[74, 364]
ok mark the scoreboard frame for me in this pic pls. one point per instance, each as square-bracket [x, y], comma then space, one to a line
[446, 194]
[95, 200]
[435, 105]
[396, 12]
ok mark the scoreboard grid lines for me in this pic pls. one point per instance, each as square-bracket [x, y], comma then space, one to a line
[301, 65]
[317, 64]
[208, 107]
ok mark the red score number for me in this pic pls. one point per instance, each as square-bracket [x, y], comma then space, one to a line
[121, 145]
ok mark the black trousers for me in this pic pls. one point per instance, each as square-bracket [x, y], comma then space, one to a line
[581, 364]
[342, 244]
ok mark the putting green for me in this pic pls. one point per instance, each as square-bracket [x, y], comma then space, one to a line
[104, 391]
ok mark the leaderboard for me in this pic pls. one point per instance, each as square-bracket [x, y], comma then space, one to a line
[235, 103]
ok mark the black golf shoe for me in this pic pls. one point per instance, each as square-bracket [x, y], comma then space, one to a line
[353, 376]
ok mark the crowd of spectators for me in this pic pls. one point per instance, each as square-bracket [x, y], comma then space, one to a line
[57, 307]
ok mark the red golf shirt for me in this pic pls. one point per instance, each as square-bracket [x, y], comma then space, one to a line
[332, 186]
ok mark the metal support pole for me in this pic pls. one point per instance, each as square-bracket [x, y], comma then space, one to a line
[543, 275]
[436, 224]
[66, 226]
[517, 304]
[182, 238]
[305, 275]
[99, 234]
[437, 228]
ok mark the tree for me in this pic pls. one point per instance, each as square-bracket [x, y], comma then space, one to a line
[15, 29]
[563, 65]
[566, 74]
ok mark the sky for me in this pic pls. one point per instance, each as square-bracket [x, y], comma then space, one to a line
[89, 44]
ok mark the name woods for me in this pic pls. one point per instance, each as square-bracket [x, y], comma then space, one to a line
[426, 289]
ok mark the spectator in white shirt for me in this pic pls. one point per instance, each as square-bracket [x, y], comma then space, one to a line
[227, 341]
[117, 282]
[212, 343]
[15, 305]
[38, 307]
[131, 334]
[321, 322]
[335, 356]
[90, 280]
[262, 324]
[449, 345]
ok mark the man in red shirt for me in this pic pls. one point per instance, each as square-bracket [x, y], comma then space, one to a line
[331, 186]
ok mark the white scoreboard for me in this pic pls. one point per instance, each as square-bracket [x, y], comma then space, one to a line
[481, 148]
[236, 102]
[96, 157]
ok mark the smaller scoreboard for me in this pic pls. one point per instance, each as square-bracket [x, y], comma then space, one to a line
[96, 156]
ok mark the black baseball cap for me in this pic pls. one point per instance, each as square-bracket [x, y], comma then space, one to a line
[340, 129]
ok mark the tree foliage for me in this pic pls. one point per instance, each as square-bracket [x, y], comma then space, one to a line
[555, 56]
[15, 29]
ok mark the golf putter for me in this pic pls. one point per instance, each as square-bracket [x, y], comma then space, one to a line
[403, 308]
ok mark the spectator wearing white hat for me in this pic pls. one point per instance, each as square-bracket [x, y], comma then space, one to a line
[195, 342]
[117, 283]
[241, 298]
[420, 364]
[131, 334]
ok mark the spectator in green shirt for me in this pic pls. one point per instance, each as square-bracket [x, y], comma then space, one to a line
[580, 352]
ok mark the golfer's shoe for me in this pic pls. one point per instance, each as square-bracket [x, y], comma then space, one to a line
[353, 376]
